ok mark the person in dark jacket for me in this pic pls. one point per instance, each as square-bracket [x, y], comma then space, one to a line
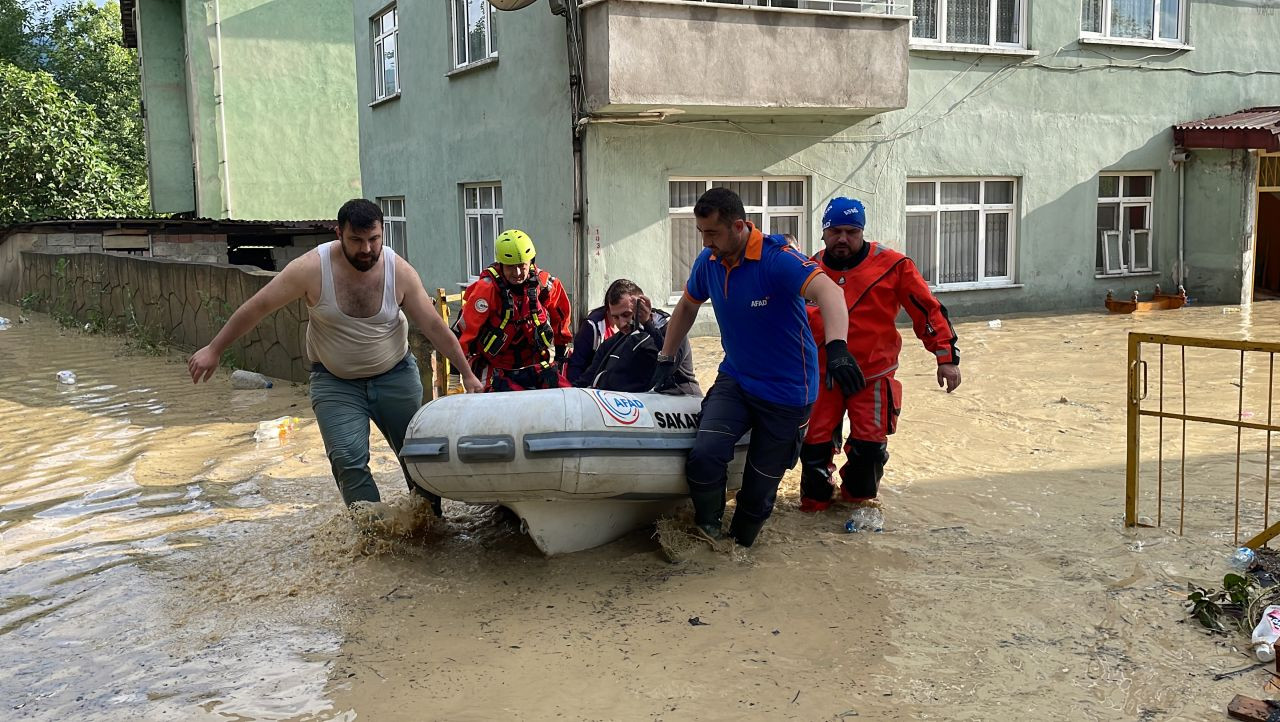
[627, 359]
[601, 324]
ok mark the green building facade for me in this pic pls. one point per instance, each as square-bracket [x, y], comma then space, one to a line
[249, 106]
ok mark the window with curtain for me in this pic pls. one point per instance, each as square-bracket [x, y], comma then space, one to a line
[969, 22]
[482, 222]
[961, 231]
[776, 205]
[386, 69]
[1124, 235]
[475, 37]
[1154, 20]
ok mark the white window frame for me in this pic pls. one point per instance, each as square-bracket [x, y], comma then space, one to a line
[1156, 37]
[380, 89]
[984, 209]
[470, 239]
[394, 225]
[1108, 238]
[766, 211]
[941, 40]
[460, 44]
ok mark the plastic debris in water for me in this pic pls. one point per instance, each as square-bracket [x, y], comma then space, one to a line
[1243, 558]
[4, 323]
[66, 377]
[995, 323]
[276, 430]
[865, 518]
[241, 379]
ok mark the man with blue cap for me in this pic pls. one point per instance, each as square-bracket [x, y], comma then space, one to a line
[768, 380]
[878, 282]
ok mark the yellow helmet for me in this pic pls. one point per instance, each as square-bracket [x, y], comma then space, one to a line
[514, 247]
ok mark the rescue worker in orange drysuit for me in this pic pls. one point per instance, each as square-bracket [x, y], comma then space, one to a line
[877, 283]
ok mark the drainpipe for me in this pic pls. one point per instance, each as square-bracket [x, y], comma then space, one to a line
[578, 112]
[223, 167]
[1180, 158]
[1182, 222]
[196, 179]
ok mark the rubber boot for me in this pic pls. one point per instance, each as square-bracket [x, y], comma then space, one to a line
[708, 511]
[816, 468]
[861, 475]
[743, 530]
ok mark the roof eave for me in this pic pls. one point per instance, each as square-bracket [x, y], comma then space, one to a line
[1265, 139]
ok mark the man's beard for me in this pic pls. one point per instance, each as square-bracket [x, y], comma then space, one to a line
[362, 264]
[840, 250]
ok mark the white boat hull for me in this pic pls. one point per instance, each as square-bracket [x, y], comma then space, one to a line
[581, 467]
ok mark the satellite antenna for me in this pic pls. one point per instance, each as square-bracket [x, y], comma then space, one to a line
[511, 4]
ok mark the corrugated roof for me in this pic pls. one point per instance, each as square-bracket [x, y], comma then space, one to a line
[1251, 129]
[190, 225]
[1251, 119]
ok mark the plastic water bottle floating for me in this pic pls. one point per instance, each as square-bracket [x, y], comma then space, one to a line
[1243, 558]
[865, 518]
[66, 377]
[4, 323]
[241, 379]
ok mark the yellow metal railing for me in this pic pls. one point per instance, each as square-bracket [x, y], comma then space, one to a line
[443, 387]
[1138, 392]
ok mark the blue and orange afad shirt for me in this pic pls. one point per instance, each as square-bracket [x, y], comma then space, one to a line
[764, 330]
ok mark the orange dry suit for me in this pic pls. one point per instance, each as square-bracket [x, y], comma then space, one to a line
[877, 282]
[511, 331]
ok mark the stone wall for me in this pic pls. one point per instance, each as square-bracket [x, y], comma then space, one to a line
[179, 303]
[183, 304]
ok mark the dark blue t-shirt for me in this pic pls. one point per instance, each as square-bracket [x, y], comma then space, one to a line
[764, 330]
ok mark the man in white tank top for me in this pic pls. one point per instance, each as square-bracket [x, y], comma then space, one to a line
[357, 341]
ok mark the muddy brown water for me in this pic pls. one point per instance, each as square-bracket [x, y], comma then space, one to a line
[156, 564]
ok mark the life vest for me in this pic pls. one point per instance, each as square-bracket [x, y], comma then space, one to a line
[524, 308]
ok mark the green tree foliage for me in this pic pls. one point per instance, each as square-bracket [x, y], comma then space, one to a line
[17, 33]
[53, 163]
[71, 137]
[85, 56]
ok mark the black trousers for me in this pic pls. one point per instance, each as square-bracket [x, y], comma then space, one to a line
[777, 431]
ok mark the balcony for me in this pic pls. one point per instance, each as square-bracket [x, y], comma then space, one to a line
[752, 57]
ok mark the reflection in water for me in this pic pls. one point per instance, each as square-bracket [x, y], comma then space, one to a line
[154, 563]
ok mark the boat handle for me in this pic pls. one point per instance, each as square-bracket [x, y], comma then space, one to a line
[429, 449]
[486, 448]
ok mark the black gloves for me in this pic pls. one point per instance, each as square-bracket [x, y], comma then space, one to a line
[562, 355]
[842, 369]
[663, 374]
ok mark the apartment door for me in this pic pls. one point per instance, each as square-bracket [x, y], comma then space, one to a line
[1266, 274]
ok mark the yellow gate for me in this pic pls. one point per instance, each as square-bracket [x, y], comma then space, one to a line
[1139, 388]
[444, 386]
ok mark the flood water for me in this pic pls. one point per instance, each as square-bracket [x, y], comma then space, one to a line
[156, 563]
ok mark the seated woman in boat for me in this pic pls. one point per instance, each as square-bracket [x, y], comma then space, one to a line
[627, 359]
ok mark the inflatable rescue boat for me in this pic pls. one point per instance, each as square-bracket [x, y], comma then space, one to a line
[581, 467]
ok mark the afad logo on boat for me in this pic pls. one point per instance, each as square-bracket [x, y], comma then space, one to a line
[619, 409]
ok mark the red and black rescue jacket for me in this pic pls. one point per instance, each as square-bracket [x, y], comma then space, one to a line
[514, 326]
